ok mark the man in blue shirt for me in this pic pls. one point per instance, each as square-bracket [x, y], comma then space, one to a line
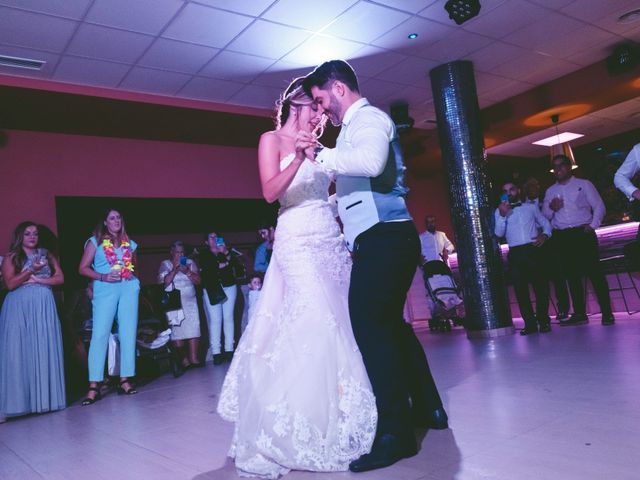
[265, 249]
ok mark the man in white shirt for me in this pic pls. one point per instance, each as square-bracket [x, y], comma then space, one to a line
[531, 191]
[520, 223]
[626, 172]
[575, 209]
[434, 244]
[623, 181]
[624, 176]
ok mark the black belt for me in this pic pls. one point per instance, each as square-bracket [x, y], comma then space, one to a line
[524, 245]
[570, 229]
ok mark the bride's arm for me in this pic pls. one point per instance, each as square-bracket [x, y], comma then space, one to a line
[275, 182]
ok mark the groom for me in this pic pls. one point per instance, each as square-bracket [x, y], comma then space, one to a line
[384, 242]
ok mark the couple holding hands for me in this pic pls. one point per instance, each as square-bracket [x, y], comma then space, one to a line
[328, 376]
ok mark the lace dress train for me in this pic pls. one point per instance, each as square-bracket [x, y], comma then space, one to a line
[297, 388]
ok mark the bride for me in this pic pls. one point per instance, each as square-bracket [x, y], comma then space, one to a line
[297, 389]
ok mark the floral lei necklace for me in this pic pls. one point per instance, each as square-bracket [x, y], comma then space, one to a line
[125, 266]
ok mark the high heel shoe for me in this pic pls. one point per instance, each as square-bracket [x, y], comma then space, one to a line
[90, 401]
[130, 391]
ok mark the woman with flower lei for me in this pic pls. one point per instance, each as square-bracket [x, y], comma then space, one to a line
[109, 259]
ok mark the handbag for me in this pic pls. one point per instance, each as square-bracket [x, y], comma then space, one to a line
[216, 294]
[239, 272]
[171, 299]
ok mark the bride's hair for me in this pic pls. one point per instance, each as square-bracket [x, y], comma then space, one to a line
[294, 96]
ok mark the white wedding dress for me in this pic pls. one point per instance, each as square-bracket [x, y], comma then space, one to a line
[297, 389]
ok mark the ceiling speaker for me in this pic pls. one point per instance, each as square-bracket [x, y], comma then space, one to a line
[624, 59]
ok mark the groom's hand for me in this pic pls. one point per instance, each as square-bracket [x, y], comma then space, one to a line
[305, 143]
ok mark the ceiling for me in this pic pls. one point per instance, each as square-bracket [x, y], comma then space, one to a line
[244, 52]
[604, 123]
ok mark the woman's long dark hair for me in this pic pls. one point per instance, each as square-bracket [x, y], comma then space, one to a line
[101, 231]
[18, 257]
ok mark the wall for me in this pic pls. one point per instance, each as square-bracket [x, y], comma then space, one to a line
[428, 195]
[35, 167]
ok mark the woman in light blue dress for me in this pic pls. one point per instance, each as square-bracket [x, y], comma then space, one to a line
[31, 356]
[109, 259]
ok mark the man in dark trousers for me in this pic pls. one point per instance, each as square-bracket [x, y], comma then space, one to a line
[526, 230]
[575, 209]
[378, 229]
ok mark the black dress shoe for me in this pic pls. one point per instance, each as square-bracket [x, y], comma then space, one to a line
[436, 420]
[439, 419]
[561, 316]
[575, 319]
[228, 356]
[218, 359]
[608, 319]
[178, 370]
[545, 328]
[528, 331]
[387, 449]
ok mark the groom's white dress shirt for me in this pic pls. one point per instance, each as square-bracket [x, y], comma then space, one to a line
[367, 163]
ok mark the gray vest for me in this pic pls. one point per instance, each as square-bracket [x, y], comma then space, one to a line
[366, 201]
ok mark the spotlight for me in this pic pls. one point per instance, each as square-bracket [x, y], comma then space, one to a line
[462, 10]
[624, 59]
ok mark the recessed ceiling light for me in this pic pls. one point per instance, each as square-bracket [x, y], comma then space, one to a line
[629, 17]
[556, 139]
[412, 36]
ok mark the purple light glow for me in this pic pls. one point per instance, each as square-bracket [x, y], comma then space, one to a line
[608, 237]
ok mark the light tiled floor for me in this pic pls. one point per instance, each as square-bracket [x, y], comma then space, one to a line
[560, 406]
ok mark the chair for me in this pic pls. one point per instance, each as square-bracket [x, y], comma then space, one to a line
[618, 265]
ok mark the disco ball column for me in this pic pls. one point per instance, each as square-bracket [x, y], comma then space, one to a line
[462, 145]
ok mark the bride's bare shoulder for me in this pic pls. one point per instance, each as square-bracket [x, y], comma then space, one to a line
[272, 137]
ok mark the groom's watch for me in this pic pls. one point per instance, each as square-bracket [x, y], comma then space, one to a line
[316, 151]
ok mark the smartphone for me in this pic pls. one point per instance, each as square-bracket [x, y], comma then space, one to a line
[220, 241]
[183, 261]
[504, 198]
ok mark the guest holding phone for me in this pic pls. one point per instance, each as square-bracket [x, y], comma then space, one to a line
[219, 297]
[109, 259]
[525, 230]
[182, 273]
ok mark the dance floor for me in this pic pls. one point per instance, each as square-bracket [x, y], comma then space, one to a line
[559, 406]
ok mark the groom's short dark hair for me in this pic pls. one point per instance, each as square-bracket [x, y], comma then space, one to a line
[330, 71]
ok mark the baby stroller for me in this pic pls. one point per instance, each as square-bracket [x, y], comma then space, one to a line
[154, 349]
[443, 296]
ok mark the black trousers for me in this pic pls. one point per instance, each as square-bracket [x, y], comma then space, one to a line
[526, 267]
[384, 262]
[579, 257]
[555, 273]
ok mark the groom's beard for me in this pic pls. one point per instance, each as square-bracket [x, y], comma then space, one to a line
[334, 111]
